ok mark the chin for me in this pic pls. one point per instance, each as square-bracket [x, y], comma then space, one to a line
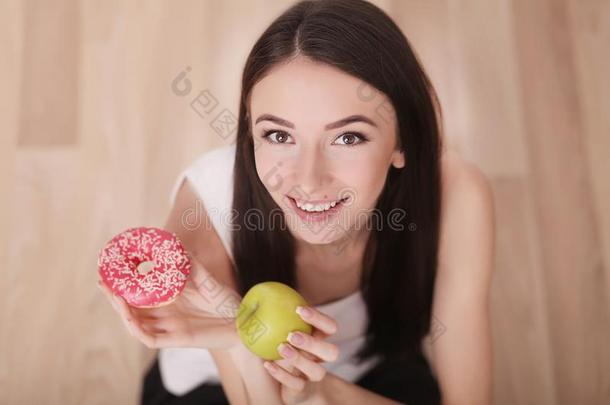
[321, 235]
[313, 238]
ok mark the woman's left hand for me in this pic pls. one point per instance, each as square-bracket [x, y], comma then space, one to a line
[299, 372]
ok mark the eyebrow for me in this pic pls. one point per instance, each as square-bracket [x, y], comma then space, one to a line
[333, 125]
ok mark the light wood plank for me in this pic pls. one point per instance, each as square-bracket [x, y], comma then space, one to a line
[523, 359]
[565, 213]
[49, 94]
[525, 96]
[11, 31]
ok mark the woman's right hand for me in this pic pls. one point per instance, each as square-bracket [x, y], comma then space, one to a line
[202, 316]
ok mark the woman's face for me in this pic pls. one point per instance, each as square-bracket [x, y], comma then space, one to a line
[304, 152]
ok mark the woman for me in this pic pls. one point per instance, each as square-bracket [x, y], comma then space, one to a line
[336, 116]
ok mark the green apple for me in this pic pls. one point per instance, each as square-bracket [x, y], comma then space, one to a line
[266, 316]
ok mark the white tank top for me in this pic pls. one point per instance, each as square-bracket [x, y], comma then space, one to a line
[182, 369]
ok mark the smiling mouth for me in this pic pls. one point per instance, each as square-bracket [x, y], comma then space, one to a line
[317, 207]
[317, 215]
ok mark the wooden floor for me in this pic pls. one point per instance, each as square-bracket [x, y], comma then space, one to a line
[93, 134]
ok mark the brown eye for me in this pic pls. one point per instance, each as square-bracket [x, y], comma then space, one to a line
[280, 137]
[349, 139]
[352, 139]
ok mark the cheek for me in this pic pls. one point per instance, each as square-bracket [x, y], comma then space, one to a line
[366, 183]
[268, 171]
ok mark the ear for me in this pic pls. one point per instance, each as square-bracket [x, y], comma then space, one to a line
[398, 159]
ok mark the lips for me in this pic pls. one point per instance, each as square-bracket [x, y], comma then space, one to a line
[319, 202]
[315, 216]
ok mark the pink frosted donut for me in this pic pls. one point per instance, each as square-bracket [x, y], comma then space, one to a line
[148, 267]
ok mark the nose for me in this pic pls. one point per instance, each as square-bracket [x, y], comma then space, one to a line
[312, 170]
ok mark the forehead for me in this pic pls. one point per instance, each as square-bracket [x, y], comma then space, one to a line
[312, 93]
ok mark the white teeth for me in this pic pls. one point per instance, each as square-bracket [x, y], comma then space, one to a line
[316, 207]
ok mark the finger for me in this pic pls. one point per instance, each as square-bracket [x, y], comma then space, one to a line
[149, 335]
[287, 365]
[153, 312]
[320, 348]
[166, 323]
[145, 333]
[284, 377]
[312, 357]
[132, 324]
[163, 324]
[114, 300]
[152, 330]
[129, 321]
[318, 334]
[148, 338]
[148, 318]
[318, 319]
[312, 370]
[122, 307]
[142, 312]
[105, 290]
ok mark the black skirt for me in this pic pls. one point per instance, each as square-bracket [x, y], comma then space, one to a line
[409, 382]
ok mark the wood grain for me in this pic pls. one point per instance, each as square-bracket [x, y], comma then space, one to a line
[524, 91]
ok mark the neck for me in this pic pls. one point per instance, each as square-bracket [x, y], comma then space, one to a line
[330, 271]
[350, 246]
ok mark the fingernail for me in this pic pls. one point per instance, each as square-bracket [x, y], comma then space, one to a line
[304, 312]
[296, 338]
[286, 351]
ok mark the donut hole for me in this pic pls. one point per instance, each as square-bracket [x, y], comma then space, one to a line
[145, 267]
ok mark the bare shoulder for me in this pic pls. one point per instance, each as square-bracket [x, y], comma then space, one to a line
[201, 239]
[462, 357]
[464, 178]
[467, 212]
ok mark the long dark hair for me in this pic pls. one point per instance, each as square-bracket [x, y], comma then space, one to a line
[399, 263]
